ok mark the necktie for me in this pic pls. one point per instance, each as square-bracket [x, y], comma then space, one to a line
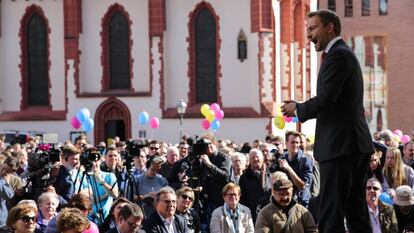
[323, 57]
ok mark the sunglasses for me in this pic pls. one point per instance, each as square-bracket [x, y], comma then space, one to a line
[373, 187]
[27, 219]
[185, 197]
[154, 148]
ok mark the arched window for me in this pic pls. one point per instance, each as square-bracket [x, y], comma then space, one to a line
[205, 57]
[37, 62]
[119, 57]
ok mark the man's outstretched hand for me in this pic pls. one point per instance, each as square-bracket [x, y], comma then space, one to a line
[289, 107]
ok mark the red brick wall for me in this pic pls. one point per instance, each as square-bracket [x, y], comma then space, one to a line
[157, 23]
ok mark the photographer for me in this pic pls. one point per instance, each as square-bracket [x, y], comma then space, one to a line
[103, 187]
[299, 168]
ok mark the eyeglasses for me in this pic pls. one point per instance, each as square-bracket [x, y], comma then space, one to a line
[154, 148]
[185, 197]
[277, 144]
[173, 202]
[133, 225]
[27, 219]
[373, 187]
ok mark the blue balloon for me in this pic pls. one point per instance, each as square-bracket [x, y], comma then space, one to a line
[143, 118]
[295, 119]
[215, 125]
[87, 125]
[385, 197]
[83, 114]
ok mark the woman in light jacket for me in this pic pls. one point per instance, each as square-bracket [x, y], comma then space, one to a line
[232, 217]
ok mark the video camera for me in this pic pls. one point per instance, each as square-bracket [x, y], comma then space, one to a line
[40, 164]
[275, 157]
[133, 149]
[89, 156]
[200, 147]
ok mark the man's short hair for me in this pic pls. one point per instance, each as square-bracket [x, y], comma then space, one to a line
[256, 152]
[164, 190]
[131, 209]
[45, 195]
[72, 219]
[289, 133]
[68, 150]
[327, 17]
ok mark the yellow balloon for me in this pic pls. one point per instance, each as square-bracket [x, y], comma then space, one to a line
[278, 109]
[311, 139]
[210, 115]
[205, 109]
[279, 122]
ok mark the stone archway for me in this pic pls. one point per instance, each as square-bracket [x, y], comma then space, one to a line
[112, 112]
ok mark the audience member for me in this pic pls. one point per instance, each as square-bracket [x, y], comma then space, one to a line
[404, 208]
[112, 220]
[284, 214]
[185, 200]
[22, 219]
[130, 219]
[48, 203]
[164, 219]
[232, 216]
[72, 220]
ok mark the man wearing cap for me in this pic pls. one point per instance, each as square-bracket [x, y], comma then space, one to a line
[283, 214]
[404, 208]
[381, 215]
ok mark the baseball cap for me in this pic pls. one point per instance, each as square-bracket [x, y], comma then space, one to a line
[282, 183]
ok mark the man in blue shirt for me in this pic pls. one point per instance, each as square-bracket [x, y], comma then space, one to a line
[298, 166]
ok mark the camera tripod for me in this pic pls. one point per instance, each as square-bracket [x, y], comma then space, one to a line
[90, 178]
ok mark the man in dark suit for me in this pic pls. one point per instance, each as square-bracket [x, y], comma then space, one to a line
[164, 220]
[130, 218]
[343, 144]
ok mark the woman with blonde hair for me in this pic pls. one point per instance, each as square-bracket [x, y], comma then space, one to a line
[395, 172]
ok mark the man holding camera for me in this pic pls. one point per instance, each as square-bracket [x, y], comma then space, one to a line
[298, 166]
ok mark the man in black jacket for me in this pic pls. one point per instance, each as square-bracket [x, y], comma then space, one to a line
[164, 220]
[343, 144]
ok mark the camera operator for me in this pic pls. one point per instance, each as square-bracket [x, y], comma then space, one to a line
[112, 164]
[299, 168]
[68, 173]
[103, 186]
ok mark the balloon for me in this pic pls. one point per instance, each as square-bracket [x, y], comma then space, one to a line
[204, 109]
[154, 122]
[295, 119]
[398, 132]
[83, 114]
[88, 124]
[143, 117]
[219, 114]
[75, 122]
[215, 125]
[405, 138]
[396, 138]
[210, 116]
[385, 197]
[287, 119]
[279, 122]
[215, 107]
[205, 123]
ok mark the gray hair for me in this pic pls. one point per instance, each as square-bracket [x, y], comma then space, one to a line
[164, 190]
[46, 195]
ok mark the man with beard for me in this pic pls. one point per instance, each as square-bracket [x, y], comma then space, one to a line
[283, 214]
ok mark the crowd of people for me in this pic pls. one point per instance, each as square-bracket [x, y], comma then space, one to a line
[198, 185]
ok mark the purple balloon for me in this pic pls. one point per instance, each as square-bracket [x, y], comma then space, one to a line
[75, 122]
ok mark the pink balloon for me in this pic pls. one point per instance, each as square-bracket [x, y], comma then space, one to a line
[215, 107]
[405, 138]
[205, 123]
[154, 122]
[75, 122]
[219, 114]
[398, 132]
[288, 119]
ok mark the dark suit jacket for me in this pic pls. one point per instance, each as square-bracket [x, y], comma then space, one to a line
[341, 128]
[64, 185]
[154, 224]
